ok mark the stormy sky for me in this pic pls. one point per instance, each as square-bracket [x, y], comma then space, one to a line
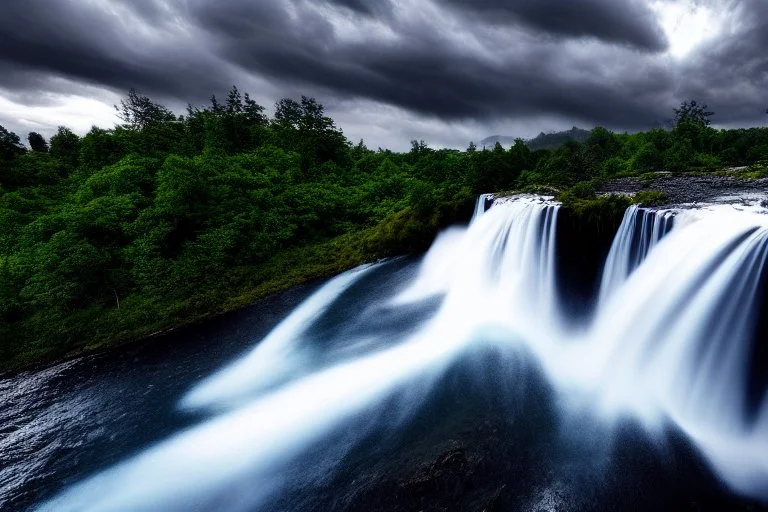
[388, 71]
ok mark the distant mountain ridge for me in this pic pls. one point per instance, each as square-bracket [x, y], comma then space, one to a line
[551, 140]
[504, 140]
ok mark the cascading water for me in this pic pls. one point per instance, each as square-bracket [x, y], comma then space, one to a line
[674, 342]
[481, 205]
[669, 342]
[640, 230]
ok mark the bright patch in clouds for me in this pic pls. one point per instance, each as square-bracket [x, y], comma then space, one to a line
[75, 112]
[687, 24]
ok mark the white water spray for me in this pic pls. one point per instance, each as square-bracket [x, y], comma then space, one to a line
[276, 357]
[669, 342]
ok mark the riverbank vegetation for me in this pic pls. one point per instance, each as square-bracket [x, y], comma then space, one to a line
[165, 219]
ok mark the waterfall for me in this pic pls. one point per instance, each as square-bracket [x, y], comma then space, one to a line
[674, 342]
[670, 343]
[640, 230]
[482, 205]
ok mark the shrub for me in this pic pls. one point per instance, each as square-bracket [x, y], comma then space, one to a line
[650, 198]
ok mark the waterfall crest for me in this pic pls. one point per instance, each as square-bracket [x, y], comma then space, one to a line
[481, 205]
[640, 230]
[670, 343]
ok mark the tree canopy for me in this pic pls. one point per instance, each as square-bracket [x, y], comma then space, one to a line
[139, 112]
[10, 144]
[692, 112]
[37, 142]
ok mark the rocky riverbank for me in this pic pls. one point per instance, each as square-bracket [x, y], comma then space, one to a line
[694, 189]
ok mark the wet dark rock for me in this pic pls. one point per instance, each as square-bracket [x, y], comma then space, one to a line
[435, 486]
[691, 189]
[583, 246]
[442, 484]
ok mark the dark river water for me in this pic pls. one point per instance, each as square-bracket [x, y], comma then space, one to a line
[467, 449]
[65, 422]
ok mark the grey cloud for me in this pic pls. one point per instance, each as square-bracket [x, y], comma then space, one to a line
[444, 61]
[628, 22]
[369, 7]
[78, 41]
[421, 70]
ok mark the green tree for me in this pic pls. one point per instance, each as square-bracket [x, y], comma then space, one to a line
[10, 144]
[242, 122]
[100, 148]
[37, 142]
[64, 273]
[647, 158]
[305, 128]
[65, 146]
[601, 145]
[680, 156]
[693, 112]
[520, 156]
[139, 112]
[494, 170]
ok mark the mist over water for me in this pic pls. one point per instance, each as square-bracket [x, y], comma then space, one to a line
[669, 342]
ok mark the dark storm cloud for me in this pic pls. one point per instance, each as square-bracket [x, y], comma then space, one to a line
[369, 7]
[483, 61]
[82, 42]
[422, 70]
[628, 22]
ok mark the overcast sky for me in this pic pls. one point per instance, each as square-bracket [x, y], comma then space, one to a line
[388, 71]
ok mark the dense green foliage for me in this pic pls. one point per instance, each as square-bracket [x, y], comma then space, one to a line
[650, 198]
[164, 219]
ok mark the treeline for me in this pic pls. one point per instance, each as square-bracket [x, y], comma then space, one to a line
[557, 139]
[165, 218]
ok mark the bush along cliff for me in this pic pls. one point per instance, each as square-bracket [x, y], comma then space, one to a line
[164, 219]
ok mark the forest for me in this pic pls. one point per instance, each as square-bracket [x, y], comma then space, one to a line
[165, 219]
